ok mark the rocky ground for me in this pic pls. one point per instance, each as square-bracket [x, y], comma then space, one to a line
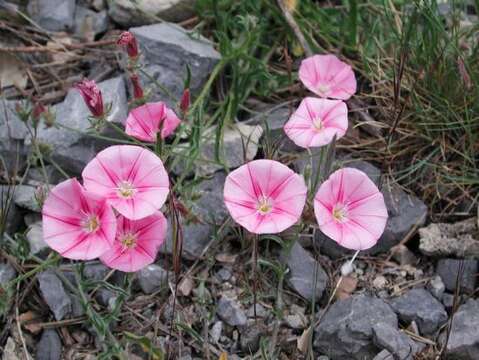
[412, 296]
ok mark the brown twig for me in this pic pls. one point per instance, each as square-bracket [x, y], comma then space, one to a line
[32, 49]
[294, 26]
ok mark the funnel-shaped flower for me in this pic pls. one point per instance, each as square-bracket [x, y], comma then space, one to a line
[92, 96]
[317, 121]
[350, 209]
[78, 224]
[131, 178]
[328, 77]
[137, 243]
[128, 41]
[145, 121]
[265, 196]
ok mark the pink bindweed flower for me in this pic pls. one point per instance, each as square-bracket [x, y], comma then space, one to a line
[328, 77]
[92, 96]
[131, 178]
[145, 121]
[76, 223]
[350, 209]
[137, 243]
[128, 41]
[265, 196]
[317, 121]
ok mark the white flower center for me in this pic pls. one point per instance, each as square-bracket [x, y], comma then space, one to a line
[92, 223]
[264, 206]
[128, 240]
[318, 123]
[126, 190]
[340, 213]
[323, 89]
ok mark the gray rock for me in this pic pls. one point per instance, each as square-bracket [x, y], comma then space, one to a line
[346, 330]
[152, 278]
[302, 268]
[7, 273]
[436, 287]
[401, 346]
[73, 149]
[272, 121]
[261, 311]
[420, 306]
[53, 15]
[224, 274]
[24, 197]
[250, 337]
[216, 331]
[405, 212]
[463, 341]
[236, 139]
[448, 300]
[50, 346]
[9, 211]
[12, 139]
[458, 239]
[209, 205]
[106, 297]
[36, 176]
[95, 271]
[128, 13]
[170, 48]
[54, 294]
[89, 23]
[35, 238]
[384, 355]
[448, 270]
[231, 312]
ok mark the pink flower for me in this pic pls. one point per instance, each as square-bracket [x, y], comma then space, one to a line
[137, 243]
[131, 178]
[92, 96]
[317, 121]
[128, 41]
[145, 121]
[265, 196]
[350, 209]
[327, 76]
[76, 223]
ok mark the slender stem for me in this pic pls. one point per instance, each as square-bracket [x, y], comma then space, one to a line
[255, 273]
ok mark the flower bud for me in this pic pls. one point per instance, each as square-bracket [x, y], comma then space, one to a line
[137, 89]
[92, 96]
[185, 101]
[128, 41]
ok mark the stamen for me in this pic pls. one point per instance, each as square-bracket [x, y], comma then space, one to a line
[318, 123]
[264, 206]
[323, 89]
[340, 213]
[126, 190]
[128, 240]
[92, 224]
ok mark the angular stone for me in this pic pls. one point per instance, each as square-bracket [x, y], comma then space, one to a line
[463, 341]
[53, 15]
[272, 121]
[436, 287]
[448, 270]
[401, 346]
[231, 312]
[24, 197]
[54, 294]
[346, 330]
[169, 48]
[458, 239]
[7, 273]
[12, 139]
[250, 337]
[13, 217]
[95, 272]
[50, 346]
[209, 205]
[73, 149]
[235, 140]
[89, 23]
[420, 306]
[302, 268]
[35, 238]
[127, 13]
[152, 278]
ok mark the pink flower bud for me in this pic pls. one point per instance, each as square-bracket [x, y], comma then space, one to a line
[128, 41]
[185, 100]
[38, 110]
[137, 90]
[92, 96]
